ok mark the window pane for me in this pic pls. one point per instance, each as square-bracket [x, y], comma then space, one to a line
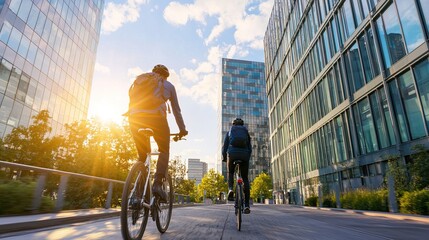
[399, 112]
[387, 117]
[5, 69]
[383, 43]
[411, 105]
[368, 126]
[356, 67]
[335, 39]
[359, 131]
[425, 9]
[379, 123]
[393, 33]
[421, 72]
[363, 46]
[410, 24]
[374, 58]
[357, 12]
[339, 138]
[348, 18]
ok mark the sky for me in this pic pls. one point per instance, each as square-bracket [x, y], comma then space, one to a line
[190, 37]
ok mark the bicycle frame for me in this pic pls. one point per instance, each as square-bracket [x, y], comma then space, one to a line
[148, 183]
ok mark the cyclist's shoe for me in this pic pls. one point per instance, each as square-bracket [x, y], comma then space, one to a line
[157, 191]
[230, 195]
[246, 210]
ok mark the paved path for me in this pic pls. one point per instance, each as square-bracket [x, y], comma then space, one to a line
[265, 222]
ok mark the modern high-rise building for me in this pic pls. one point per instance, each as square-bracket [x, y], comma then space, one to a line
[47, 57]
[243, 95]
[196, 170]
[348, 86]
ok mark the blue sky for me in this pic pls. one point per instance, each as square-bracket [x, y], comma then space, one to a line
[190, 38]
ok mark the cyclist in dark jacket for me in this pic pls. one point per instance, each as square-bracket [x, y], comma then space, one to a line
[231, 153]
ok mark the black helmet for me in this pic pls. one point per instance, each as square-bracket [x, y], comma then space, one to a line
[238, 121]
[161, 70]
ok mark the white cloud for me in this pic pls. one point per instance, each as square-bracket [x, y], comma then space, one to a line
[101, 68]
[116, 15]
[248, 23]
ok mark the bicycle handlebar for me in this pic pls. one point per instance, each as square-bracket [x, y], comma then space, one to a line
[177, 137]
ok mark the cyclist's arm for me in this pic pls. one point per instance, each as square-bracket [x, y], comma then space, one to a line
[250, 143]
[225, 146]
[175, 106]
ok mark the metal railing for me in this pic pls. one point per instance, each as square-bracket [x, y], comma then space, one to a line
[59, 203]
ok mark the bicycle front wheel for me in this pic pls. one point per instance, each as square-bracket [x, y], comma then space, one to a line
[238, 205]
[165, 209]
[133, 215]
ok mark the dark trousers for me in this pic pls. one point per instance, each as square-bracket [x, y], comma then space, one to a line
[161, 130]
[244, 170]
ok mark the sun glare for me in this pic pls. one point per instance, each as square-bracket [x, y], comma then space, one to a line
[108, 114]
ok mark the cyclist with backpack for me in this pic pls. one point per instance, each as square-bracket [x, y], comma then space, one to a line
[148, 96]
[237, 146]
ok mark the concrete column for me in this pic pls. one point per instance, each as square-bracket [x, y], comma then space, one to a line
[109, 196]
[393, 205]
[37, 197]
[337, 194]
[320, 192]
[61, 190]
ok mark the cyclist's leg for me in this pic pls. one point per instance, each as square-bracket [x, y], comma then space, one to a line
[162, 138]
[244, 169]
[230, 175]
[142, 143]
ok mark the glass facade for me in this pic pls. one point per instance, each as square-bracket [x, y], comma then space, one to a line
[347, 82]
[47, 57]
[244, 96]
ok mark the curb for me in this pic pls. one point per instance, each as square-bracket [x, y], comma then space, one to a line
[31, 225]
[23, 226]
[397, 216]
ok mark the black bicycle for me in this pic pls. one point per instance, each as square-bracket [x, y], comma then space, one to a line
[239, 194]
[138, 202]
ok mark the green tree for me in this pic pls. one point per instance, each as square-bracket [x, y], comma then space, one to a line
[177, 171]
[187, 187]
[261, 186]
[397, 169]
[31, 145]
[419, 168]
[212, 183]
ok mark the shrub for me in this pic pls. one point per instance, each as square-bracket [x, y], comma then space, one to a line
[364, 199]
[329, 201]
[16, 197]
[311, 201]
[416, 202]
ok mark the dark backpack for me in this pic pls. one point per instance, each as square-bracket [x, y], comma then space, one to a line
[238, 137]
[146, 93]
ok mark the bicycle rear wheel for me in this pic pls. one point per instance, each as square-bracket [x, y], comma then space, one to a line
[238, 205]
[165, 209]
[133, 215]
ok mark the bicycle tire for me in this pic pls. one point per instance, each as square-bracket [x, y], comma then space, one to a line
[239, 205]
[134, 218]
[163, 216]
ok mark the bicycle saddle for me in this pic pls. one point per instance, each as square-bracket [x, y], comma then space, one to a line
[237, 161]
[146, 131]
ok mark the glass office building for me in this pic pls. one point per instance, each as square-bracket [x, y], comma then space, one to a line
[244, 96]
[47, 57]
[348, 85]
